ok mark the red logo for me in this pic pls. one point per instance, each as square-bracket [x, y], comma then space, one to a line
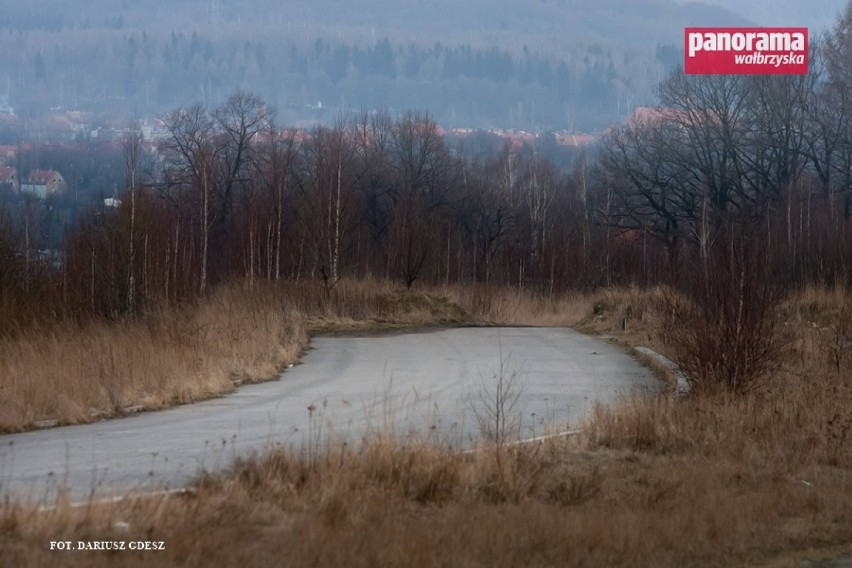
[739, 51]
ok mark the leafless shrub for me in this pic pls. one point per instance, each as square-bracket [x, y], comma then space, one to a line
[836, 337]
[722, 331]
[495, 412]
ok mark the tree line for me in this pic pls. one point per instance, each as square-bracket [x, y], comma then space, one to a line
[743, 182]
[183, 57]
[236, 197]
[729, 175]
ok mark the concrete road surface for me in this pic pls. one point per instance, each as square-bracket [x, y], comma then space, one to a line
[436, 383]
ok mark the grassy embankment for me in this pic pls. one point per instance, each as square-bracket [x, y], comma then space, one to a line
[75, 373]
[761, 479]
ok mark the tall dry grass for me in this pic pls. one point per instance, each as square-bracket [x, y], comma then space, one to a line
[71, 373]
[513, 306]
[563, 502]
[77, 372]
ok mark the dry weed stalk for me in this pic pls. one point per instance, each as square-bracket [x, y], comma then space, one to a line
[495, 408]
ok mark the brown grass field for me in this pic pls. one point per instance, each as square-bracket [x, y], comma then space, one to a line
[760, 479]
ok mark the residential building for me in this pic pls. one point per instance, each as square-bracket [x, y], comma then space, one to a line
[42, 183]
[9, 179]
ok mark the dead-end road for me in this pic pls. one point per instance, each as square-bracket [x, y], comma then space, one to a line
[433, 383]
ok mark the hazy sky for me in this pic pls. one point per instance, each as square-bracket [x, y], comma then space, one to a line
[815, 14]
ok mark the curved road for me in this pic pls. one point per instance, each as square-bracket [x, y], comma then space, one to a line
[432, 383]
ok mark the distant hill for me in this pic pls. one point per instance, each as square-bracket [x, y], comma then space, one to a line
[531, 64]
[467, 21]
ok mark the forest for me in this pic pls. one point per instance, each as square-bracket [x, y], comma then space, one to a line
[728, 171]
[536, 66]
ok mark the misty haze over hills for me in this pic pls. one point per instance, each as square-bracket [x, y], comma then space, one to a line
[533, 65]
[818, 15]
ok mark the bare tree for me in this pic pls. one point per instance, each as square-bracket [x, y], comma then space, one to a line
[191, 152]
[132, 159]
[423, 164]
[238, 123]
[325, 184]
[645, 184]
[538, 187]
[278, 164]
[374, 176]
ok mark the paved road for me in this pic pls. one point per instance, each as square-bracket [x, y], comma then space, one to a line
[427, 383]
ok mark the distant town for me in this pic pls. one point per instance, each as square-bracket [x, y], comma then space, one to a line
[74, 158]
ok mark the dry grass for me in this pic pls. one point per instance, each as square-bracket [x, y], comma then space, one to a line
[564, 502]
[503, 306]
[714, 480]
[75, 373]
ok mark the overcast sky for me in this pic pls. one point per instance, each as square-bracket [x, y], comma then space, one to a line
[815, 14]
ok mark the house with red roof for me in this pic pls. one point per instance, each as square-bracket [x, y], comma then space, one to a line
[42, 183]
[9, 179]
